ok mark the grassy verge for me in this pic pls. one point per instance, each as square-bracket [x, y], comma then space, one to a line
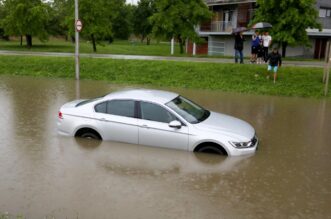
[293, 81]
[117, 47]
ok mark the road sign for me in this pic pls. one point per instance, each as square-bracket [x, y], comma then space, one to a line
[79, 25]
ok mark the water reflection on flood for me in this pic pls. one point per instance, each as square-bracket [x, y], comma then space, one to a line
[44, 175]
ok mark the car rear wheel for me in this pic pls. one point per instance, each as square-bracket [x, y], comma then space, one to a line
[88, 134]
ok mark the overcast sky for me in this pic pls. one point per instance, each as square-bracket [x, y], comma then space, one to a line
[132, 1]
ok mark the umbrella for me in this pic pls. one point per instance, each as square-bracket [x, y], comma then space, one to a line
[239, 29]
[261, 25]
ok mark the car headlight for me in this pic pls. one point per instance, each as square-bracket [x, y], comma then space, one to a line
[248, 144]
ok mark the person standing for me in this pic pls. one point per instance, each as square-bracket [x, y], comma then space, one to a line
[266, 39]
[275, 61]
[254, 46]
[238, 47]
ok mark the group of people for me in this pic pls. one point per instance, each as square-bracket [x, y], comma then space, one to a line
[259, 51]
[260, 47]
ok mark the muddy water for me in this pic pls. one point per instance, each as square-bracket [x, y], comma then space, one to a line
[43, 175]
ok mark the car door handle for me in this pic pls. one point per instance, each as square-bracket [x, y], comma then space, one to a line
[145, 126]
[103, 119]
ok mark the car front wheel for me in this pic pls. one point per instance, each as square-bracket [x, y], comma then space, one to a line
[211, 149]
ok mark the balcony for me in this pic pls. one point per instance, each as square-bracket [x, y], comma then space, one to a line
[227, 2]
[228, 20]
[218, 26]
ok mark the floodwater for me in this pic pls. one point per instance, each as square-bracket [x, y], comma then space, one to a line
[43, 175]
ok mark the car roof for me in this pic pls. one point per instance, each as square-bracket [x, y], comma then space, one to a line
[157, 96]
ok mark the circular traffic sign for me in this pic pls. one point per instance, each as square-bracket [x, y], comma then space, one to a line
[79, 25]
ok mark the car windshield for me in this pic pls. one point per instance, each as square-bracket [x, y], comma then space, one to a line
[190, 111]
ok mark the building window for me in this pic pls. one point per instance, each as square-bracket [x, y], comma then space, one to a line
[325, 12]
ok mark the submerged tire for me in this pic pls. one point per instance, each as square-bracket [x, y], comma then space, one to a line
[90, 135]
[211, 149]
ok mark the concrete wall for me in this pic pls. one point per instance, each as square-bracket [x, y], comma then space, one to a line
[299, 51]
[326, 22]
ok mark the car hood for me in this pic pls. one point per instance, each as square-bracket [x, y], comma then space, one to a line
[228, 125]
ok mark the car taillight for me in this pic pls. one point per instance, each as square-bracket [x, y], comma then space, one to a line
[60, 115]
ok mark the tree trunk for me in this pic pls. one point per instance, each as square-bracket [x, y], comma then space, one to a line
[142, 38]
[28, 41]
[284, 46]
[94, 43]
[181, 44]
[21, 40]
[73, 39]
[148, 40]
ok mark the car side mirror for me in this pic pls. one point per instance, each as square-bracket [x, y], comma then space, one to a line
[175, 124]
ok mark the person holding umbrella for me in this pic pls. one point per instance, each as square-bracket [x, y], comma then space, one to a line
[266, 38]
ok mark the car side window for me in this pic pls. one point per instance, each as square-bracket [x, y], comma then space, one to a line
[153, 112]
[121, 108]
[101, 107]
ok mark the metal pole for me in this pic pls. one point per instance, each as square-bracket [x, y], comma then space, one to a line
[326, 60]
[76, 42]
[327, 71]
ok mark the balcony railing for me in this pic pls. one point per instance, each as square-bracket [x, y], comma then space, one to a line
[228, 1]
[222, 26]
[239, 18]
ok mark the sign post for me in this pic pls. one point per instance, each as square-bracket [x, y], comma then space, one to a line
[78, 28]
[327, 67]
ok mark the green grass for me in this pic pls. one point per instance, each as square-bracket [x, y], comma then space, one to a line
[117, 47]
[292, 81]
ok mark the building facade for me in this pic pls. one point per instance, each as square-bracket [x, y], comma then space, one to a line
[229, 14]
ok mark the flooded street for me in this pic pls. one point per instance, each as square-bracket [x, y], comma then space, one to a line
[44, 175]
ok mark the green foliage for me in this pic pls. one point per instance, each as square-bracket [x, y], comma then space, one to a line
[59, 10]
[141, 23]
[292, 81]
[290, 19]
[26, 18]
[178, 18]
[122, 23]
[98, 17]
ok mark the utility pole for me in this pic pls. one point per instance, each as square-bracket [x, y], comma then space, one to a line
[76, 42]
[326, 74]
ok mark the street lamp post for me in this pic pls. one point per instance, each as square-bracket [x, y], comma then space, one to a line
[76, 42]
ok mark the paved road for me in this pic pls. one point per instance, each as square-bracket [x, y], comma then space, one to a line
[142, 57]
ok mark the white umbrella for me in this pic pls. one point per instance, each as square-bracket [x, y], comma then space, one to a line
[239, 29]
[261, 25]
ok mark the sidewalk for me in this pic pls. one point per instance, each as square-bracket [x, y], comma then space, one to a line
[160, 58]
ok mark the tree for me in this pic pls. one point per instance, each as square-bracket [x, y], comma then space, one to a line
[290, 19]
[141, 23]
[179, 18]
[59, 10]
[97, 17]
[122, 23]
[2, 15]
[27, 18]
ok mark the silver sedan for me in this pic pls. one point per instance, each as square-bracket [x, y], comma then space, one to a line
[156, 118]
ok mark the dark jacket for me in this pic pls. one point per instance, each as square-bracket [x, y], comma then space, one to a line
[274, 59]
[239, 42]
